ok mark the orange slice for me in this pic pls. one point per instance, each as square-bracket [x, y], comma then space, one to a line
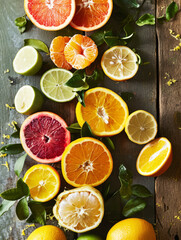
[105, 111]
[91, 14]
[80, 51]
[43, 182]
[155, 158]
[57, 52]
[86, 161]
[50, 15]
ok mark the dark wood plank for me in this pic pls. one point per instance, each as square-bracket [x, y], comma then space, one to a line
[168, 195]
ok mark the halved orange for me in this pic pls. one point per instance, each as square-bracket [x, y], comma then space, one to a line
[50, 15]
[155, 158]
[105, 112]
[80, 51]
[86, 161]
[57, 47]
[91, 14]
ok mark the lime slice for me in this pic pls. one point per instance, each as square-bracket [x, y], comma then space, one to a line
[28, 100]
[27, 61]
[53, 85]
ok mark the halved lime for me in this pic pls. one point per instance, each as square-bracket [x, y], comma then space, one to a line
[53, 85]
[27, 61]
[28, 100]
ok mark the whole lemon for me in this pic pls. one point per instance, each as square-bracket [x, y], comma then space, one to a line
[46, 233]
[132, 228]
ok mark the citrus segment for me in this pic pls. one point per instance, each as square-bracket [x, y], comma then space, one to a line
[104, 110]
[86, 161]
[57, 52]
[44, 137]
[155, 158]
[91, 14]
[119, 63]
[80, 51]
[80, 209]
[50, 15]
[141, 127]
[43, 182]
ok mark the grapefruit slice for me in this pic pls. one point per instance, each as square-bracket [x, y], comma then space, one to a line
[50, 15]
[44, 137]
[91, 14]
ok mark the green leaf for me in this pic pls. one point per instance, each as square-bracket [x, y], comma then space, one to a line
[127, 96]
[125, 178]
[95, 79]
[106, 191]
[18, 167]
[77, 83]
[140, 191]
[171, 11]
[22, 29]
[86, 131]
[22, 210]
[80, 97]
[109, 143]
[5, 206]
[146, 19]
[38, 213]
[12, 149]
[21, 185]
[16, 133]
[133, 206]
[74, 128]
[38, 44]
[20, 21]
[112, 41]
[177, 118]
[98, 37]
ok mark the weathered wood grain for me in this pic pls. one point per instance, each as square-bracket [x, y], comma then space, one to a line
[168, 194]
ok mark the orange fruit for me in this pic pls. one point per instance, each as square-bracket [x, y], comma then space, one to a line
[50, 15]
[46, 233]
[105, 112]
[155, 158]
[132, 228]
[86, 161]
[57, 52]
[80, 51]
[91, 15]
[43, 182]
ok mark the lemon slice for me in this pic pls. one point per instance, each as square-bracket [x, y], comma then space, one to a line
[119, 63]
[141, 127]
[80, 209]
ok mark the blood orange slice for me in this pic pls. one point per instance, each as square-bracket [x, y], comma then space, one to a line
[50, 15]
[44, 137]
[91, 14]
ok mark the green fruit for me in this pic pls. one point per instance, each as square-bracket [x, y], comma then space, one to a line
[89, 237]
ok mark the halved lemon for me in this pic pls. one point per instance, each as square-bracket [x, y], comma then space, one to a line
[141, 127]
[155, 158]
[80, 209]
[119, 63]
[43, 182]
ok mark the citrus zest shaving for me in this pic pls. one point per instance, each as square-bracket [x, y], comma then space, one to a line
[6, 71]
[6, 165]
[13, 125]
[50, 217]
[8, 106]
[26, 227]
[6, 136]
[171, 81]
[2, 143]
[2, 155]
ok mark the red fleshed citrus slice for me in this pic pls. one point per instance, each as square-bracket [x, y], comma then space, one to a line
[57, 52]
[91, 14]
[50, 15]
[44, 137]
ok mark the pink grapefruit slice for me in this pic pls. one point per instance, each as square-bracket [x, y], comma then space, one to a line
[44, 137]
[50, 15]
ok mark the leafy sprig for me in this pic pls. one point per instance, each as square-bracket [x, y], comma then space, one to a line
[21, 22]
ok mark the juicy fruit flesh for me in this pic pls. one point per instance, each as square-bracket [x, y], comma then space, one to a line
[45, 137]
[24, 98]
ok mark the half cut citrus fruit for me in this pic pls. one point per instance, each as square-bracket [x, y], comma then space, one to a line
[155, 158]
[105, 112]
[50, 15]
[44, 137]
[43, 182]
[86, 161]
[80, 209]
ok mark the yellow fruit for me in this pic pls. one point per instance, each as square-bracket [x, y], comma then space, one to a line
[141, 127]
[119, 63]
[43, 182]
[47, 232]
[80, 209]
[132, 229]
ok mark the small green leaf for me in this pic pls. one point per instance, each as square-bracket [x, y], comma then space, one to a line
[171, 11]
[77, 83]
[125, 178]
[38, 44]
[16, 133]
[112, 41]
[95, 79]
[38, 213]
[146, 19]
[5, 206]
[80, 97]
[127, 96]
[140, 191]
[133, 206]
[20, 21]
[109, 143]
[22, 210]
[86, 131]
[74, 128]
[18, 167]
[22, 29]
[98, 37]
[23, 187]
[106, 191]
[12, 149]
